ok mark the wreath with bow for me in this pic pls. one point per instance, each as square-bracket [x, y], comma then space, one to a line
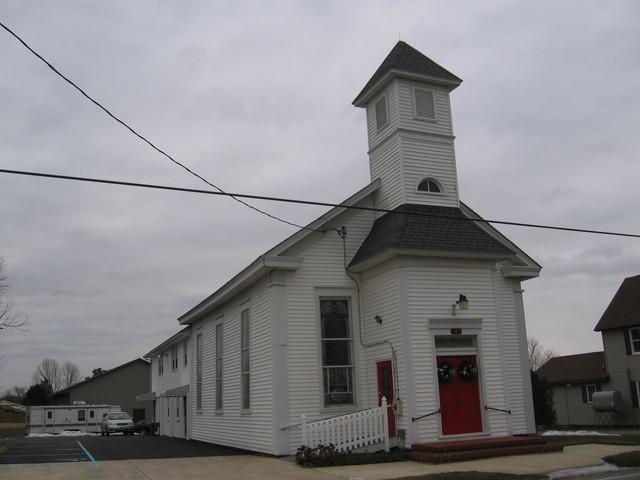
[467, 371]
[445, 372]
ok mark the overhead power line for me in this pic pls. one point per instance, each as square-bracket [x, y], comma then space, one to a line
[311, 202]
[137, 134]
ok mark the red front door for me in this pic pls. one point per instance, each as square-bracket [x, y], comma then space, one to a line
[459, 394]
[385, 388]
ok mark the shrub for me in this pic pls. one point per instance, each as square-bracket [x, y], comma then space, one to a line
[328, 456]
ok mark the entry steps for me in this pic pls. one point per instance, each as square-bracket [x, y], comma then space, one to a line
[462, 450]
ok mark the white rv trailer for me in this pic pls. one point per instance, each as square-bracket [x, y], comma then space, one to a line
[56, 418]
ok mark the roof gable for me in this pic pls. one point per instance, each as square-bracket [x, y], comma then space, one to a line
[575, 369]
[403, 58]
[624, 309]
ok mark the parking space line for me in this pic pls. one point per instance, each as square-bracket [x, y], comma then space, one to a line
[89, 456]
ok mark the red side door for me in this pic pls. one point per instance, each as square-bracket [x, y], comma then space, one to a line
[459, 397]
[385, 388]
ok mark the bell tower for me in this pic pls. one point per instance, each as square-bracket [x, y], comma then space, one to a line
[411, 142]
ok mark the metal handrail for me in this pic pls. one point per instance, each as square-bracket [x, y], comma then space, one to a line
[292, 425]
[497, 409]
[413, 419]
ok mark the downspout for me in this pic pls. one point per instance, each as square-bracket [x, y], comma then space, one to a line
[342, 233]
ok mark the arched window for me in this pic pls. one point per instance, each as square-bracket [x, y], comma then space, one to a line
[429, 185]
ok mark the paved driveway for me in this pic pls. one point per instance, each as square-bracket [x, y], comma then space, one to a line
[113, 447]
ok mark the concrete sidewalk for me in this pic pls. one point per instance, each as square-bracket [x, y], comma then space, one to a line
[252, 467]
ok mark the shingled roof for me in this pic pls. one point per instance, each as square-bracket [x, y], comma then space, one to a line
[624, 309]
[427, 227]
[575, 369]
[404, 58]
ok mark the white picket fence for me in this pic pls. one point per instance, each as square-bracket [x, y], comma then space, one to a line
[351, 431]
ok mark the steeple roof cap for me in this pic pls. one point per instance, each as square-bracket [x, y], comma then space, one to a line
[406, 61]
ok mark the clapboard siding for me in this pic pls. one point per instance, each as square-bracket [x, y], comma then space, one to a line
[375, 136]
[171, 378]
[322, 272]
[250, 430]
[422, 158]
[432, 286]
[407, 118]
[385, 164]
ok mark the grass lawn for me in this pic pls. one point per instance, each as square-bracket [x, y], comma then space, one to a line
[4, 444]
[599, 439]
[475, 476]
[12, 428]
[628, 459]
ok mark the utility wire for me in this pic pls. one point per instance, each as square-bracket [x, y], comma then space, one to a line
[139, 135]
[311, 202]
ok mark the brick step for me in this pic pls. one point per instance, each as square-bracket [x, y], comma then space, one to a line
[465, 455]
[479, 444]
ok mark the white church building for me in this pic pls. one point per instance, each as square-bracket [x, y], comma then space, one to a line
[420, 305]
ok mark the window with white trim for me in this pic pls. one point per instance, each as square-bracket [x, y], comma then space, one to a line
[185, 353]
[174, 357]
[634, 339]
[82, 415]
[382, 116]
[424, 105]
[245, 362]
[337, 351]
[160, 364]
[429, 185]
[199, 371]
[219, 392]
[588, 391]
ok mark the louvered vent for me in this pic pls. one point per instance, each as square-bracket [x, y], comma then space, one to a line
[424, 104]
[381, 113]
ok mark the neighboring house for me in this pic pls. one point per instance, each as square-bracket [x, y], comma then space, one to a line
[620, 328]
[362, 304]
[573, 379]
[118, 386]
[170, 379]
[12, 412]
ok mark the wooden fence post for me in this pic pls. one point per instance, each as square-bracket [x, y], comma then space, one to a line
[303, 426]
[385, 423]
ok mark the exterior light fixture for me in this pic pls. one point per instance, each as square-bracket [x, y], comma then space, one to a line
[378, 319]
[462, 303]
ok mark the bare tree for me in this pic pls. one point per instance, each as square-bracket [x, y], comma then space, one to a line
[70, 374]
[15, 394]
[9, 319]
[538, 354]
[49, 371]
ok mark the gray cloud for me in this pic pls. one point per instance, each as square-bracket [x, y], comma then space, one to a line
[259, 100]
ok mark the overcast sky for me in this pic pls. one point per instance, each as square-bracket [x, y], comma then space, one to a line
[256, 96]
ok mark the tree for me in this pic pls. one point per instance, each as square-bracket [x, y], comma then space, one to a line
[538, 354]
[15, 394]
[38, 394]
[49, 372]
[9, 319]
[70, 374]
[543, 410]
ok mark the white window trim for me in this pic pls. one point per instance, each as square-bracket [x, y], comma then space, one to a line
[161, 364]
[246, 307]
[175, 357]
[441, 193]
[633, 350]
[586, 388]
[329, 294]
[219, 357]
[415, 112]
[198, 365]
[375, 112]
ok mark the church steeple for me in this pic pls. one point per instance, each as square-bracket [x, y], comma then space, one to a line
[410, 129]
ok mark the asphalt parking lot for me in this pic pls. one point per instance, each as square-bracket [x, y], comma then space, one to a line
[114, 447]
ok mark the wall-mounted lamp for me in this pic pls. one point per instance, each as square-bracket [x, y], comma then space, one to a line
[462, 304]
[378, 319]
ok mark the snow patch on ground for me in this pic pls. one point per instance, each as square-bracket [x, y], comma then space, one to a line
[64, 433]
[574, 472]
[577, 433]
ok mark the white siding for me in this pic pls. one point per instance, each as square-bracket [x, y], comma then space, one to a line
[170, 378]
[424, 157]
[322, 272]
[250, 430]
[375, 136]
[433, 285]
[406, 115]
[385, 164]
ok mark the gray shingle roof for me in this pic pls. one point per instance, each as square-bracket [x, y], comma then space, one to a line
[405, 58]
[581, 368]
[624, 309]
[428, 228]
